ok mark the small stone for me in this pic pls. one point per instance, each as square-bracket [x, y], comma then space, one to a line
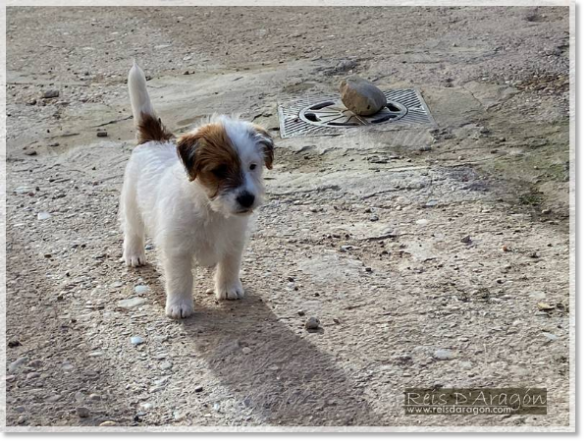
[467, 240]
[14, 343]
[51, 93]
[545, 306]
[82, 412]
[95, 397]
[312, 324]
[102, 133]
[301, 313]
[198, 388]
[374, 218]
[550, 337]
[178, 415]
[166, 365]
[345, 248]
[30, 153]
[246, 351]
[43, 216]
[136, 340]
[21, 420]
[12, 367]
[361, 96]
[20, 409]
[108, 423]
[210, 291]
[141, 289]
[131, 303]
[444, 354]
[506, 248]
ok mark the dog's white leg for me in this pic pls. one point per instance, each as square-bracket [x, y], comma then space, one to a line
[133, 226]
[178, 285]
[228, 285]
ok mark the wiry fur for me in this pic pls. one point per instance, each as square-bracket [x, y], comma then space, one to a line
[188, 197]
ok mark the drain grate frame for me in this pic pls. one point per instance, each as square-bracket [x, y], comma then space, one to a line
[315, 116]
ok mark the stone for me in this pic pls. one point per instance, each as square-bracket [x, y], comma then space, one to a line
[361, 96]
[108, 423]
[136, 340]
[141, 289]
[51, 93]
[166, 365]
[549, 336]
[312, 324]
[12, 367]
[43, 216]
[82, 412]
[131, 303]
[444, 354]
[246, 351]
[198, 388]
[102, 133]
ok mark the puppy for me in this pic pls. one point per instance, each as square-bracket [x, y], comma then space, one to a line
[192, 196]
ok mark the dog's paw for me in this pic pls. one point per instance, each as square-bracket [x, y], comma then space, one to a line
[135, 260]
[229, 291]
[179, 307]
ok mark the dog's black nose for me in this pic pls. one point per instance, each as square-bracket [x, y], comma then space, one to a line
[245, 200]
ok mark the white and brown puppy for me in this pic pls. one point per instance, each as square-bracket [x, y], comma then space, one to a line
[193, 197]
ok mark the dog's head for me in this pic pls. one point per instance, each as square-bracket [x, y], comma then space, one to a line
[226, 158]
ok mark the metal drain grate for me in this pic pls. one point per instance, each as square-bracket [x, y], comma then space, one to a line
[327, 116]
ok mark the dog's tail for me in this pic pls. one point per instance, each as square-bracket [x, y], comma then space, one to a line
[148, 124]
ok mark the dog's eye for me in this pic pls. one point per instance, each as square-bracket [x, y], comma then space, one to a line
[253, 166]
[220, 171]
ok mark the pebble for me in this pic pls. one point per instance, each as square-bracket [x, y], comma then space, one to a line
[21, 420]
[246, 351]
[136, 340]
[301, 313]
[361, 96]
[12, 367]
[20, 409]
[108, 423]
[102, 134]
[82, 412]
[198, 388]
[374, 218]
[43, 216]
[550, 337]
[95, 397]
[210, 291]
[51, 93]
[444, 354]
[166, 365]
[131, 303]
[312, 324]
[141, 289]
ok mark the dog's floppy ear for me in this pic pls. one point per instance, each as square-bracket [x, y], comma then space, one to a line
[268, 146]
[187, 150]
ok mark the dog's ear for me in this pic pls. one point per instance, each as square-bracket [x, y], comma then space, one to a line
[187, 150]
[267, 144]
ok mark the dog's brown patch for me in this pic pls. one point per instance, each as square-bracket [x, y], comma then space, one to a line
[151, 128]
[268, 146]
[208, 156]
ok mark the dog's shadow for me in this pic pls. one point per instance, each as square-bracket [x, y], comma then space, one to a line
[273, 370]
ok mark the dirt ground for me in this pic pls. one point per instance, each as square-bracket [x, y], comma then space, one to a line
[432, 257]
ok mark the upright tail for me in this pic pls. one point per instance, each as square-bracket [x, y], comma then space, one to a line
[148, 124]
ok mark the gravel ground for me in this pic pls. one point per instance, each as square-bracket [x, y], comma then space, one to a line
[431, 257]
